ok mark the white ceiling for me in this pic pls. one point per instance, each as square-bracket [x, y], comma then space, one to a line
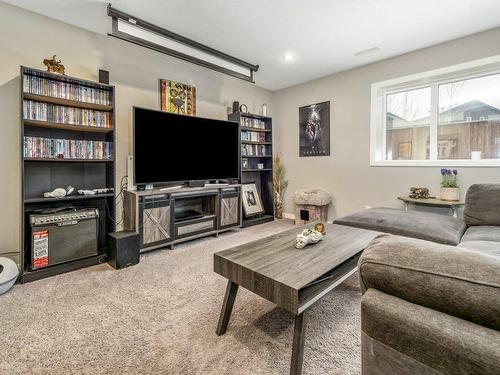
[323, 35]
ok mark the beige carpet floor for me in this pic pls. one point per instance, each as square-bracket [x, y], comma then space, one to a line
[159, 317]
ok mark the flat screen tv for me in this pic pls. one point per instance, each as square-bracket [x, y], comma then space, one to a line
[175, 148]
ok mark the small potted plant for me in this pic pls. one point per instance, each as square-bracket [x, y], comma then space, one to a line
[449, 186]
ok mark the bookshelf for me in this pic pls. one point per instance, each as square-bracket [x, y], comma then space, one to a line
[67, 138]
[256, 148]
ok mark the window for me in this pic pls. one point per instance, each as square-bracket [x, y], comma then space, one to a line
[445, 117]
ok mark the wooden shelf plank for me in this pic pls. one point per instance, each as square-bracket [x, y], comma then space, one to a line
[65, 78]
[59, 125]
[255, 129]
[256, 143]
[67, 102]
[257, 170]
[28, 276]
[62, 160]
[256, 220]
[256, 156]
[70, 198]
[252, 115]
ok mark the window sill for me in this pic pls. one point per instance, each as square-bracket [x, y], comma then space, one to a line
[436, 163]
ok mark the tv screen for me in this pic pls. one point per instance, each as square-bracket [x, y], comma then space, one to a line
[175, 148]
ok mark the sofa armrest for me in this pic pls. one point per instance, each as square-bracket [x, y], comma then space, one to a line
[458, 282]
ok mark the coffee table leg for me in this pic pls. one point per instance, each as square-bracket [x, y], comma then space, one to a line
[227, 307]
[299, 335]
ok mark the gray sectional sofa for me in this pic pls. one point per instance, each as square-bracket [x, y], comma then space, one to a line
[432, 306]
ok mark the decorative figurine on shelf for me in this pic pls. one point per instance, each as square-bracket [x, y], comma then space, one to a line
[308, 236]
[59, 192]
[419, 193]
[53, 65]
[264, 109]
[320, 227]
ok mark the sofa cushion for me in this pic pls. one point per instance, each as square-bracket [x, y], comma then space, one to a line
[482, 205]
[482, 233]
[445, 343]
[455, 281]
[417, 224]
[490, 248]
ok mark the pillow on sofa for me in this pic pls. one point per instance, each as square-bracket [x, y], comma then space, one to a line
[482, 205]
[417, 224]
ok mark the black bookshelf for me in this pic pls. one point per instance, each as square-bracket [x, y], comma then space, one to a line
[40, 174]
[255, 151]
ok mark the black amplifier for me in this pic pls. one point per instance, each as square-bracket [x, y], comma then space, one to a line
[63, 236]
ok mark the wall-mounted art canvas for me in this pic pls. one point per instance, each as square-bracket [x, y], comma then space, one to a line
[177, 97]
[314, 130]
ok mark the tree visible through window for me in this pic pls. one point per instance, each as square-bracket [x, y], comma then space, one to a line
[408, 125]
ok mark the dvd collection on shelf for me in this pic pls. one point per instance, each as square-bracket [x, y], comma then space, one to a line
[254, 150]
[253, 136]
[51, 148]
[65, 115]
[63, 90]
[255, 123]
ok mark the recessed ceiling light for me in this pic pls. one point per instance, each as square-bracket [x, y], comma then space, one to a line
[367, 51]
[288, 57]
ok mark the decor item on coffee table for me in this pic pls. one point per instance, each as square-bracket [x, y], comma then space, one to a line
[291, 278]
[306, 237]
[251, 201]
[311, 205]
[449, 185]
[432, 202]
[8, 274]
[177, 97]
[280, 185]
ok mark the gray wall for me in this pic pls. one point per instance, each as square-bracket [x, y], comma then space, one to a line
[28, 38]
[347, 173]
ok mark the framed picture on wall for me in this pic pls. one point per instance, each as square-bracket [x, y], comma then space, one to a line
[252, 204]
[314, 130]
[177, 97]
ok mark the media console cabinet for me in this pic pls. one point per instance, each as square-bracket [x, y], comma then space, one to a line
[152, 213]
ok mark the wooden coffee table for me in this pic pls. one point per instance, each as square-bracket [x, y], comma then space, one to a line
[293, 279]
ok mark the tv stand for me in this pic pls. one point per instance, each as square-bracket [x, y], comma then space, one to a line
[166, 217]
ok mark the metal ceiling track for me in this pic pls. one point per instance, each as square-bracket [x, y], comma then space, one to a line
[156, 32]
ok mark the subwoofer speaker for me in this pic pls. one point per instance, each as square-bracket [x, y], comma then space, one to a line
[124, 249]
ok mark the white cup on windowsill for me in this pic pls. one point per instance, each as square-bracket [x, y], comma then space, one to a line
[475, 155]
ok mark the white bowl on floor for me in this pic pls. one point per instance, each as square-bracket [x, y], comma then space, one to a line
[8, 274]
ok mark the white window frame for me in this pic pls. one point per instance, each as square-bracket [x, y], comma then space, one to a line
[432, 79]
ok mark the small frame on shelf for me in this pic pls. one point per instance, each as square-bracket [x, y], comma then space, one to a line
[251, 200]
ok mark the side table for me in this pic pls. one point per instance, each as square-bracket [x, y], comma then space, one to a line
[433, 202]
